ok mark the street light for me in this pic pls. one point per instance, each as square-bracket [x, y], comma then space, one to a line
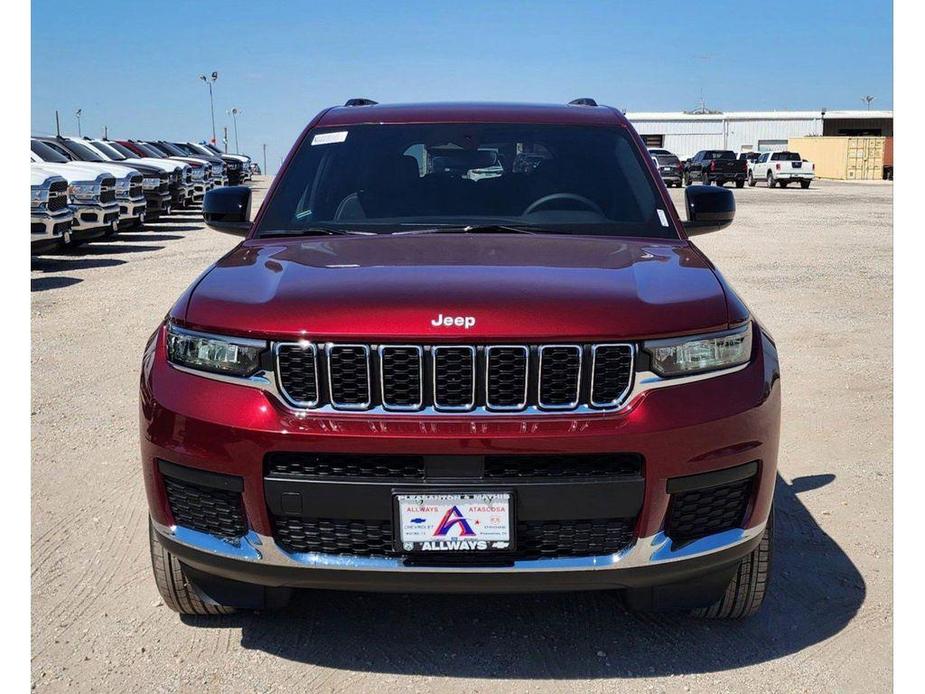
[77, 113]
[209, 81]
[867, 100]
[234, 117]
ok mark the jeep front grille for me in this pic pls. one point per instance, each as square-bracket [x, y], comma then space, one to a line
[454, 378]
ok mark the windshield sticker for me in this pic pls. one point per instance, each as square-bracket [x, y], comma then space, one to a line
[329, 138]
[662, 217]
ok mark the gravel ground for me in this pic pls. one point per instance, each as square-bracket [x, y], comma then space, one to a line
[815, 265]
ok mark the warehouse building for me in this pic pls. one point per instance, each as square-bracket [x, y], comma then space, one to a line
[685, 134]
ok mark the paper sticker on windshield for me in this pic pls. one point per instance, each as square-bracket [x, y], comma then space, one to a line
[329, 138]
[662, 217]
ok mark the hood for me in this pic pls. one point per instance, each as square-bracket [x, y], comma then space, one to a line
[74, 172]
[38, 176]
[515, 287]
[159, 164]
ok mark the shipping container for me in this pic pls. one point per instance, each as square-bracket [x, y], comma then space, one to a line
[843, 158]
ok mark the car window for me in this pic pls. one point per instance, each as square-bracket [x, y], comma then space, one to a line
[119, 147]
[785, 156]
[385, 178]
[82, 152]
[48, 154]
[108, 150]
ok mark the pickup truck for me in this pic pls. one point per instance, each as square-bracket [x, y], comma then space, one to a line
[781, 169]
[237, 165]
[404, 379]
[715, 166]
[51, 216]
[159, 174]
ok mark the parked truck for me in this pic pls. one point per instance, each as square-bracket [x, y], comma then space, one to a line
[717, 166]
[781, 169]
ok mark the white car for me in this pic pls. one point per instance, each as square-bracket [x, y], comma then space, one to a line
[781, 169]
[91, 196]
[243, 171]
[51, 216]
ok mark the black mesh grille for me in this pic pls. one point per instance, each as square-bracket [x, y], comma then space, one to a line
[135, 190]
[606, 465]
[560, 370]
[327, 465]
[401, 376]
[298, 372]
[612, 373]
[57, 196]
[702, 512]
[164, 184]
[214, 511]
[349, 372]
[507, 376]
[108, 190]
[454, 377]
[535, 539]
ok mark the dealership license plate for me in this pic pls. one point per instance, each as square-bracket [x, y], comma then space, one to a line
[458, 522]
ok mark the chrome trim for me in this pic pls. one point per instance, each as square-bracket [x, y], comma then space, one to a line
[523, 403]
[539, 380]
[402, 408]
[279, 377]
[369, 379]
[245, 341]
[653, 550]
[629, 385]
[473, 355]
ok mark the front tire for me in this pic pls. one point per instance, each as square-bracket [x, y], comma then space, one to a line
[175, 588]
[751, 180]
[804, 184]
[748, 587]
[740, 184]
[771, 181]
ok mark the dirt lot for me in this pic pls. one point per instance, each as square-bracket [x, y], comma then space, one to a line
[815, 265]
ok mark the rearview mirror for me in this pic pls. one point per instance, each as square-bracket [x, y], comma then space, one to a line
[228, 209]
[709, 208]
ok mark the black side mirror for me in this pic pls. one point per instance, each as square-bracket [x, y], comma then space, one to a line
[709, 208]
[228, 209]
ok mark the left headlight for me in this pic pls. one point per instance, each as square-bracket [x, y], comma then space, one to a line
[691, 355]
[39, 196]
[235, 356]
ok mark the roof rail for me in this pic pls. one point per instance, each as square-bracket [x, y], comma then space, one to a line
[360, 102]
[583, 101]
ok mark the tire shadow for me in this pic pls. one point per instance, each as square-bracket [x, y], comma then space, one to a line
[815, 592]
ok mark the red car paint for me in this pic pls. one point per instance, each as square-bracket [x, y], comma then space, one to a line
[527, 288]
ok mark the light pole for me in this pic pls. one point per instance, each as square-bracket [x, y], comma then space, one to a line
[77, 113]
[264, 160]
[209, 81]
[234, 117]
[867, 100]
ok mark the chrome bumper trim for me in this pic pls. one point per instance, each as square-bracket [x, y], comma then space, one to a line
[647, 551]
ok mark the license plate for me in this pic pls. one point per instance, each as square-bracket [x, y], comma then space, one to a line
[457, 522]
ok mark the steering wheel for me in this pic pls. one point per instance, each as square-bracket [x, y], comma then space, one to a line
[545, 200]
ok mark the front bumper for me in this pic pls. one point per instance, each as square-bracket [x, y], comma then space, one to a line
[157, 203]
[691, 429]
[94, 215]
[131, 210]
[49, 230]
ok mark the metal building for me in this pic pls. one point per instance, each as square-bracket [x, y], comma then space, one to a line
[685, 134]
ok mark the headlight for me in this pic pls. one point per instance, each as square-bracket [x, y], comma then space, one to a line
[150, 183]
[39, 196]
[236, 356]
[686, 355]
[122, 186]
[198, 174]
[83, 190]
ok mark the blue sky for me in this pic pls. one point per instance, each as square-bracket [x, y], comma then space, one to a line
[134, 66]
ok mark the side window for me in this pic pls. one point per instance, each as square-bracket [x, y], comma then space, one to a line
[764, 158]
[775, 157]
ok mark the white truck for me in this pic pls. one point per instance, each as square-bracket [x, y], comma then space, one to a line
[91, 196]
[51, 216]
[781, 169]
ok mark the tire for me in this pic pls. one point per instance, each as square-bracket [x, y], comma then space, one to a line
[740, 184]
[175, 589]
[804, 184]
[784, 184]
[751, 180]
[748, 587]
[771, 181]
[687, 179]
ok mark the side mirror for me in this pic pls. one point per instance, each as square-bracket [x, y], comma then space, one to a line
[228, 209]
[709, 208]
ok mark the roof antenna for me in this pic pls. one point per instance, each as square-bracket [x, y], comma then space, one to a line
[57, 123]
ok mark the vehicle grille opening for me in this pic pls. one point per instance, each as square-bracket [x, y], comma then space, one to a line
[57, 196]
[334, 465]
[612, 367]
[298, 370]
[700, 512]
[507, 377]
[107, 190]
[401, 377]
[348, 368]
[600, 465]
[454, 378]
[215, 511]
[560, 375]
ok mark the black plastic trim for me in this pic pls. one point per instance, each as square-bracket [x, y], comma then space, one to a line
[715, 478]
[203, 478]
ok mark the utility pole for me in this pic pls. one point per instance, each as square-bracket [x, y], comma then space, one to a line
[210, 81]
[234, 117]
[57, 124]
[225, 138]
[105, 132]
[80, 110]
[264, 160]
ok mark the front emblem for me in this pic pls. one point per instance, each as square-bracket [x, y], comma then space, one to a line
[453, 321]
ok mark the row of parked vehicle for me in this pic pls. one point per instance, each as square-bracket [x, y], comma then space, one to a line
[722, 166]
[86, 188]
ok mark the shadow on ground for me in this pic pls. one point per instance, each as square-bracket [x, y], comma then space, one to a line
[42, 284]
[63, 264]
[815, 592]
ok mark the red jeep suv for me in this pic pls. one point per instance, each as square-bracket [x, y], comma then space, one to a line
[462, 348]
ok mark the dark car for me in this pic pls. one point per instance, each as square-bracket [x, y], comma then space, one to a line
[669, 166]
[718, 166]
[406, 379]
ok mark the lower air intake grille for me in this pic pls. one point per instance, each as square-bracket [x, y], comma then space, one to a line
[523, 467]
[214, 511]
[535, 539]
[701, 512]
[333, 465]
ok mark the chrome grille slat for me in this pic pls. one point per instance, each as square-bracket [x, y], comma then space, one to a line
[445, 379]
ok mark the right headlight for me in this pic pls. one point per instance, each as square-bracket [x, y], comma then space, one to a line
[150, 183]
[83, 190]
[39, 196]
[235, 356]
[692, 355]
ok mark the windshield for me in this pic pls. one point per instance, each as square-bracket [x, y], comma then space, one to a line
[786, 156]
[215, 150]
[666, 159]
[717, 154]
[170, 149]
[81, 152]
[47, 154]
[386, 178]
[109, 151]
[122, 149]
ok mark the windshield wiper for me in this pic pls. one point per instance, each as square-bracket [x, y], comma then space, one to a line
[316, 231]
[470, 229]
